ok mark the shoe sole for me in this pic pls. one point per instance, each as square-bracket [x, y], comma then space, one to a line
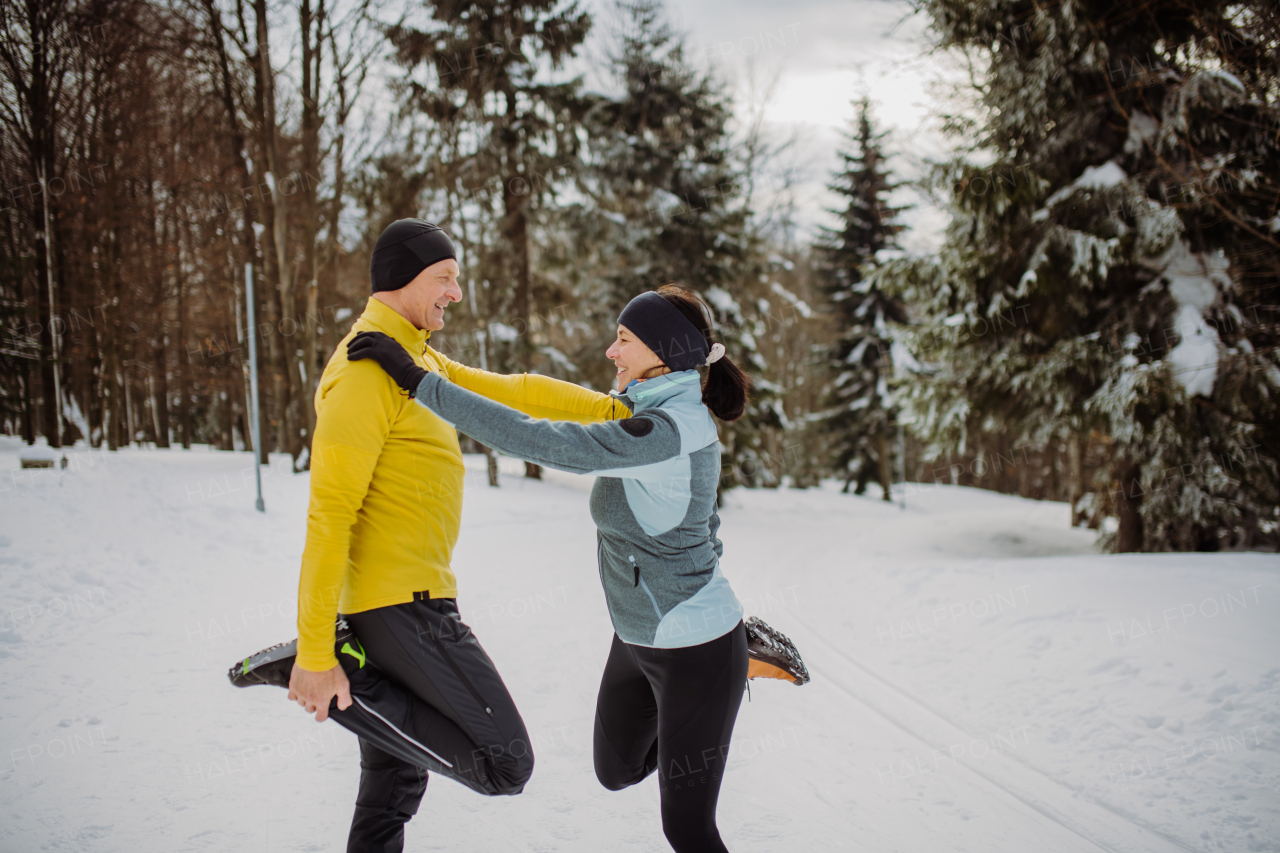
[258, 668]
[779, 645]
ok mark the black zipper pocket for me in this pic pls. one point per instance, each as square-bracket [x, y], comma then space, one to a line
[457, 670]
[638, 583]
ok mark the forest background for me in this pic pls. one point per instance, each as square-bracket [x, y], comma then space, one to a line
[1091, 316]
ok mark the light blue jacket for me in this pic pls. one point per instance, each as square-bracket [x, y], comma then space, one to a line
[654, 500]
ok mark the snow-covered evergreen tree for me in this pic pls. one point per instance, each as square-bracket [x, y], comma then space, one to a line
[739, 324]
[860, 413]
[666, 189]
[1116, 264]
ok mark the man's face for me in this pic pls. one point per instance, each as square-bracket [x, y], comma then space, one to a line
[424, 299]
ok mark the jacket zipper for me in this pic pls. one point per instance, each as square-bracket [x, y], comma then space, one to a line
[640, 583]
[457, 670]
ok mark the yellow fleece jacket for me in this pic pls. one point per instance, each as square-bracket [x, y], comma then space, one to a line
[386, 479]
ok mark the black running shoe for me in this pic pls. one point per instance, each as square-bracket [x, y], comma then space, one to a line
[771, 655]
[274, 665]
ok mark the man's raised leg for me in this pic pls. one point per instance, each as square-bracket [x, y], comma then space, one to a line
[460, 709]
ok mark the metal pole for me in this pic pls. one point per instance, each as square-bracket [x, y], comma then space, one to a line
[253, 383]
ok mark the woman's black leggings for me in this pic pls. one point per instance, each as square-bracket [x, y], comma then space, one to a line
[672, 710]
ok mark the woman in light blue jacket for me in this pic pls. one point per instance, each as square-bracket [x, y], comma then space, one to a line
[672, 686]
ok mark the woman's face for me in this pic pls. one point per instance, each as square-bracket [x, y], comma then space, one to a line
[633, 359]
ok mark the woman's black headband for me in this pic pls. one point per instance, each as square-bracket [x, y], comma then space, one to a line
[666, 331]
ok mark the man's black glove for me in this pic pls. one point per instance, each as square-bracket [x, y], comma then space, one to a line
[393, 358]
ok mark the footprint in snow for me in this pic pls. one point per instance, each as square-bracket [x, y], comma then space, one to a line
[1223, 692]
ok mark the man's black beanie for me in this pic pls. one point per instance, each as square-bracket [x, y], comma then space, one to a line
[406, 248]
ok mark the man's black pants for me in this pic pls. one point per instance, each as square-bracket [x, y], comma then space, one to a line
[672, 710]
[442, 705]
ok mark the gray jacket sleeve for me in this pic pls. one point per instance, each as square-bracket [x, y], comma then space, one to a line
[631, 448]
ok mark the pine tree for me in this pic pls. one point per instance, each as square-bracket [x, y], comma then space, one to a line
[667, 186]
[486, 86]
[1115, 267]
[663, 173]
[512, 133]
[860, 414]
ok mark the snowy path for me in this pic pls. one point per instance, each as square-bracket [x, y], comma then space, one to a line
[983, 681]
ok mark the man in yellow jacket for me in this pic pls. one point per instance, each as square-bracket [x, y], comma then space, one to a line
[386, 504]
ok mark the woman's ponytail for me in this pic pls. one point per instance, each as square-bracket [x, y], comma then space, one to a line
[727, 388]
[725, 393]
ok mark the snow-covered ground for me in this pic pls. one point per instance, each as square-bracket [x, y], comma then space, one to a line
[983, 680]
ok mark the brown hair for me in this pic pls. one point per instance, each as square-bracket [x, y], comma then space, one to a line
[727, 387]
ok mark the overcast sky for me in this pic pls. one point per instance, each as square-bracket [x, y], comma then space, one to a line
[822, 55]
[826, 53]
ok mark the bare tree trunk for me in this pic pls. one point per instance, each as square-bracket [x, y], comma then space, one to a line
[225, 422]
[287, 380]
[109, 385]
[1052, 456]
[1128, 504]
[482, 338]
[237, 146]
[239, 393]
[313, 362]
[184, 358]
[153, 423]
[1008, 467]
[27, 418]
[49, 419]
[1075, 476]
[515, 228]
[312, 53]
[268, 307]
[341, 72]
[88, 407]
[882, 450]
[516, 233]
[28, 404]
[113, 392]
[241, 385]
[328, 339]
[491, 464]
[242, 423]
[130, 414]
[160, 396]
[159, 363]
[112, 386]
